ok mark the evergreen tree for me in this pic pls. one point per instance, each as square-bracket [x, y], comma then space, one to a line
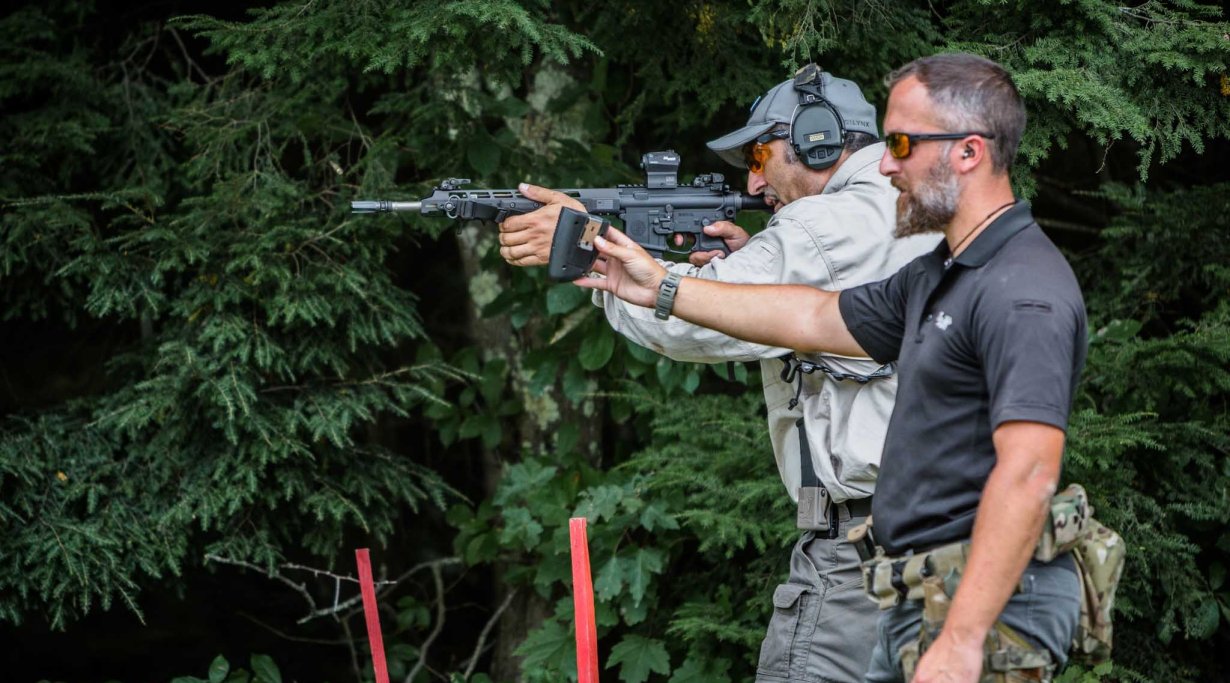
[210, 365]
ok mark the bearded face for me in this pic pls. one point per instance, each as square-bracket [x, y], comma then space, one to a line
[929, 204]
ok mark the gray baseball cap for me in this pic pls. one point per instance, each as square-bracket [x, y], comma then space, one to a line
[778, 105]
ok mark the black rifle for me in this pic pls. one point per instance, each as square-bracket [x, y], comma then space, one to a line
[653, 213]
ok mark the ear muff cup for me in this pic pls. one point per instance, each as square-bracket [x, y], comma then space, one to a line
[816, 134]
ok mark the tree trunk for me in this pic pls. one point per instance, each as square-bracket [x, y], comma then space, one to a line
[533, 431]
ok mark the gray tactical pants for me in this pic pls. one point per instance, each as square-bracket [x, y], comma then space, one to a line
[823, 627]
[1045, 610]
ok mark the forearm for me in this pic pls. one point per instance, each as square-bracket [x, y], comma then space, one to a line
[1009, 520]
[684, 341]
[789, 316]
[678, 339]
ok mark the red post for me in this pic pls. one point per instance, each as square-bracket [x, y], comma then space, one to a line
[368, 588]
[583, 602]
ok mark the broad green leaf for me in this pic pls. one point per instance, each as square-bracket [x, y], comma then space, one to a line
[551, 571]
[547, 647]
[600, 503]
[668, 373]
[638, 656]
[523, 480]
[696, 669]
[483, 153]
[597, 349]
[610, 579]
[1206, 617]
[640, 353]
[654, 517]
[265, 670]
[566, 437]
[576, 382]
[640, 570]
[691, 381]
[565, 297]
[510, 107]
[492, 431]
[1217, 575]
[634, 613]
[520, 526]
[218, 669]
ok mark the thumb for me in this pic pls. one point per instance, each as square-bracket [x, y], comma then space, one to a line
[722, 229]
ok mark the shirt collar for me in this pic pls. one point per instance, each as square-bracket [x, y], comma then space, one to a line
[997, 234]
[854, 165]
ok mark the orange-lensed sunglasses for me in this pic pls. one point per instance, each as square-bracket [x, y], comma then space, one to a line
[901, 144]
[756, 153]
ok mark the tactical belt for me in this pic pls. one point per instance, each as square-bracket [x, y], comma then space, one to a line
[858, 507]
[889, 580]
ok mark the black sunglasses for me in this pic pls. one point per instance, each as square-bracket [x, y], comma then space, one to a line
[901, 144]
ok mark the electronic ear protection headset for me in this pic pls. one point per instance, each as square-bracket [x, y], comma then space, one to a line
[816, 130]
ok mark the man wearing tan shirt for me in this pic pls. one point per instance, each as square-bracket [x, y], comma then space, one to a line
[811, 148]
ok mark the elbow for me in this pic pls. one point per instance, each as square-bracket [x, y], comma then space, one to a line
[815, 321]
[1038, 484]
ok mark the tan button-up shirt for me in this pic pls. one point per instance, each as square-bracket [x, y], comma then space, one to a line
[834, 240]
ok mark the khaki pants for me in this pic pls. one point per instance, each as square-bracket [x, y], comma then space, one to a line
[823, 626]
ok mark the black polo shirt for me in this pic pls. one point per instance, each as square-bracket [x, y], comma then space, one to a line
[999, 335]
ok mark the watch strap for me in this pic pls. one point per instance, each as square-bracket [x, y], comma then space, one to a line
[666, 295]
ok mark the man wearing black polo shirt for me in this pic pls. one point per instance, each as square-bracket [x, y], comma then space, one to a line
[989, 335]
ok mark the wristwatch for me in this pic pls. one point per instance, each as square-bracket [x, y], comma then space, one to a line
[666, 295]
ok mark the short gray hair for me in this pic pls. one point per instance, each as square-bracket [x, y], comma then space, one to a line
[972, 93]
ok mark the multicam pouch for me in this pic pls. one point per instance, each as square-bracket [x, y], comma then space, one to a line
[1099, 558]
[1069, 514]
[1099, 554]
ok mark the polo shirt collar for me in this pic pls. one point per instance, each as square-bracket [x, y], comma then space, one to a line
[997, 234]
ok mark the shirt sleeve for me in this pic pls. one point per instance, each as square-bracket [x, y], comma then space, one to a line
[784, 253]
[875, 314]
[1029, 339]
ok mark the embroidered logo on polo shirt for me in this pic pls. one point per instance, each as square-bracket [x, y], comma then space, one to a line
[943, 320]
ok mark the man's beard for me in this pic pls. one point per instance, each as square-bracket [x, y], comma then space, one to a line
[930, 204]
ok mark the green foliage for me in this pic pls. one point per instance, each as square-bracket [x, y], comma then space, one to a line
[255, 331]
[687, 538]
[264, 670]
[384, 36]
[252, 350]
[1154, 436]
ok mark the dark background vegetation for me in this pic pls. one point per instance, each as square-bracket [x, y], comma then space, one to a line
[217, 384]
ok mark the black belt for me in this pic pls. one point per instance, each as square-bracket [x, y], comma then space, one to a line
[858, 507]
